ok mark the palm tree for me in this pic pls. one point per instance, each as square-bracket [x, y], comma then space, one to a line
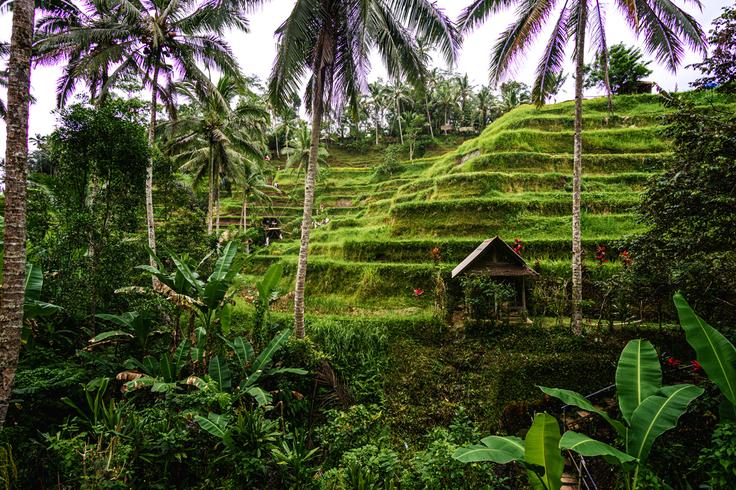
[377, 101]
[153, 40]
[253, 186]
[398, 93]
[485, 99]
[298, 150]
[16, 172]
[465, 91]
[331, 40]
[665, 27]
[447, 96]
[214, 140]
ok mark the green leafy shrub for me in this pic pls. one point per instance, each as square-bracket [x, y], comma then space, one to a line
[390, 164]
[719, 460]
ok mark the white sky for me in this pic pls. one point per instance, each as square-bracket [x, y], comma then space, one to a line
[256, 49]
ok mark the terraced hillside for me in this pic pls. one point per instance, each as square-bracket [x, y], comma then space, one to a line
[373, 246]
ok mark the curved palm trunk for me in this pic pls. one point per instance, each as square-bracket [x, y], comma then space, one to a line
[309, 188]
[14, 233]
[577, 171]
[244, 215]
[211, 191]
[150, 225]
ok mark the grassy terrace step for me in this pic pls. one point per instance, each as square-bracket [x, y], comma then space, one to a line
[566, 122]
[452, 250]
[508, 206]
[623, 140]
[527, 227]
[485, 183]
[529, 161]
[378, 279]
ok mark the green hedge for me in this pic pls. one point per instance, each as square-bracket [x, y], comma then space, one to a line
[532, 161]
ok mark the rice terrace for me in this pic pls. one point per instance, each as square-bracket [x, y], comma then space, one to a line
[375, 244]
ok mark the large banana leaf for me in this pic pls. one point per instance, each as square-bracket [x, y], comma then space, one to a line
[224, 263]
[214, 424]
[33, 307]
[268, 283]
[542, 450]
[264, 358]
[585, 446]
[638, 376]
[501, 450]
[214, 293]
[186, 272]
[714, 351]
[656, 415]
[577, 400]
[220, 372]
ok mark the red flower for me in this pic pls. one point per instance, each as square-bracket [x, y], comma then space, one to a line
[518, 245]
[696, 365]
[418, 292]
[672, 362]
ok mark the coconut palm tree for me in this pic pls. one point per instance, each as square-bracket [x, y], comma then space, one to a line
[666, 30]
[330, 40]
[465, 91]
[16, 173]
[398, 93]
[377, 100]
[154, 40]
[485, 100]
[298, 151]
[214, 139]
[253, 186]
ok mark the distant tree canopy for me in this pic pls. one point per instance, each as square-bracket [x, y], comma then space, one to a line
[691, 209]
[625, 70]
[719, 69]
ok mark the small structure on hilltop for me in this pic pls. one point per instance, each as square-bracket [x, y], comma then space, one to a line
[494, 279]
[272, 229]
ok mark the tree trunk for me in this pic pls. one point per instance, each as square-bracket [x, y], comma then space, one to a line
[16, 164]
[211, 192]
[150, 225]
[429, 116]
[217, 202]
[398, 118]
[577, 249]
[309, 184]
[377, 127]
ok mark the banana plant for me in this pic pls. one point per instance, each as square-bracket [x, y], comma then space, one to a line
[267, 293]
[134, 326]
[538, 453]
[252, 369]
[648, 410]
[161, 375]
[715, 353]
[33, 307]
[209, 298]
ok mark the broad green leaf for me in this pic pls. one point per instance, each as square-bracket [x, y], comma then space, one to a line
[714, 351]
[243, 351]
[497, 449]
[34, 309]
[585, 446]
[577, 400]
[220, 372]
[214, 425]
[110, 334]
[542, 449]
[223, 264]
[638, 376]
[269, 282]
[163, 387]
[214, 293]
[34, 281]
[297, 371]
[657, 414]
[150, 366]
[727, 411]
[264, 358]
[139, 383]
[180, 355]
[189, 276]
[167, 369]
[124, 320]
[262, 397]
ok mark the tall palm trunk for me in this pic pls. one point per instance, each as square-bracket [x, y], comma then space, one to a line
[377, 116]
[577, 171]
[150, 225]
[244, 215]
[398, 118]
[309, 185]
[217, 201]
[14, 234]
[429, 116]
[211, 189]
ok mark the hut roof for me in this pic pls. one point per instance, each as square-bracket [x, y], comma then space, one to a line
[496, 258]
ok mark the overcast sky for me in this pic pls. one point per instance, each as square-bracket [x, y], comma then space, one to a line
[256, 49]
